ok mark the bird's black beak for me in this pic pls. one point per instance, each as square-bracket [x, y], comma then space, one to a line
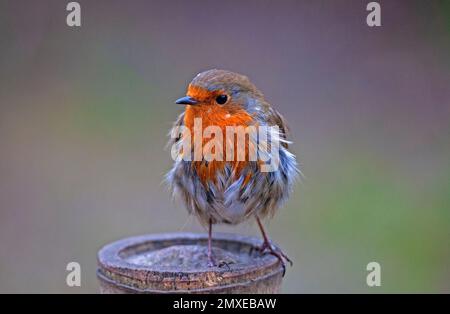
[186, 100]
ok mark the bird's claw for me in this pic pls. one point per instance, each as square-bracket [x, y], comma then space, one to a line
[224, 263]
[211, 262]
[266, 247]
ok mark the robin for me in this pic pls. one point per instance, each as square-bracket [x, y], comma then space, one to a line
[234, 189]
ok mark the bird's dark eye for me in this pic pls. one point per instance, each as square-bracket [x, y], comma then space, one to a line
[221, 99]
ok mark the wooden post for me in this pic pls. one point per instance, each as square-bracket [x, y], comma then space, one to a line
[177, 263]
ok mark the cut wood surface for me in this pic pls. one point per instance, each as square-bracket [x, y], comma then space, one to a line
[177, 263]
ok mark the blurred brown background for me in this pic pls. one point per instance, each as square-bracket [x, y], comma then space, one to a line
[84, 114]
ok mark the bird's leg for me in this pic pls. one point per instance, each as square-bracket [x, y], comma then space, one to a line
[211, 261]
[268, 246]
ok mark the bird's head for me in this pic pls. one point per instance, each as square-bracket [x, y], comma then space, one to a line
[219, 91]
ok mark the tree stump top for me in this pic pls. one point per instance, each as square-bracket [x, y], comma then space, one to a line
[177, 262]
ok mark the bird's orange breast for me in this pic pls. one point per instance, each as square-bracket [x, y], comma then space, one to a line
[213, 114]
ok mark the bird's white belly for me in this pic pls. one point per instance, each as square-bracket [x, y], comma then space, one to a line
[232, 213]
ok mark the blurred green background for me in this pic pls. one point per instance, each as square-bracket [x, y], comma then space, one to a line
[84, 114]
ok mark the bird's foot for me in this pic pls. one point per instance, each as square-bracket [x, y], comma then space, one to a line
[211, 261]
[266, 247]
[226, 264]
[221, 263]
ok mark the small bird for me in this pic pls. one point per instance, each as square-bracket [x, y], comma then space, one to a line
[233, 190]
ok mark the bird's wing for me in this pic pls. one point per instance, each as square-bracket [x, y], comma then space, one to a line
[275, 118]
